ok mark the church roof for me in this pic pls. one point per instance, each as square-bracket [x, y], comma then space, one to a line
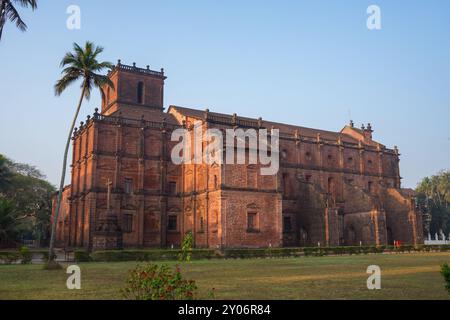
[284, 128]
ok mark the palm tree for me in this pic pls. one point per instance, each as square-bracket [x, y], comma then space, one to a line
[81, 64]
[8, 11]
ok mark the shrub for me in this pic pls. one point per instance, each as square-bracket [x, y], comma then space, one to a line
[52, 265]
[158, 282]
[186, 247]
[45, 256]
[8, 257]
[82, 256]
[148, 255]
[445, 271]
[26, 255]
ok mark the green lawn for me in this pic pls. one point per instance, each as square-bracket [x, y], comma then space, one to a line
[404, 276]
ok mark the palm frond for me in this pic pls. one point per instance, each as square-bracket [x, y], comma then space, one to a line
[62, 84]
[26, 3]
[13, 15]
[81, 64]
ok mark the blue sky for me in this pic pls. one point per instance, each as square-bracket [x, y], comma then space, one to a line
[311, 63]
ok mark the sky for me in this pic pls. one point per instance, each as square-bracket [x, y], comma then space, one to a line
[309, 63]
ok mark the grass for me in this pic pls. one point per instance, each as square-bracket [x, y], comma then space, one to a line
[404, 276]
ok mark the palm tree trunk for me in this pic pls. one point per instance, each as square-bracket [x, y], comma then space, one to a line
[63, 176]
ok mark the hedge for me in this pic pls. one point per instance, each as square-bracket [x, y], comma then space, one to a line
[80, 255]
[148, 255]
[22, 255]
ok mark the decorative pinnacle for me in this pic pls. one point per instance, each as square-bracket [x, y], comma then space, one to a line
[352, 124]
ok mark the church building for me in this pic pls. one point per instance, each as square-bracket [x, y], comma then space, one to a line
[332, 188]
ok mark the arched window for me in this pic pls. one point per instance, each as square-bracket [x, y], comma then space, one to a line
[370, 186]
[140, 92]
[331, 185]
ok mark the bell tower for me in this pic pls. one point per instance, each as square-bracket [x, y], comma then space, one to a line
[137, 91]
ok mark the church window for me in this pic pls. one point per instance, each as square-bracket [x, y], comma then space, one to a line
[202, 224]
[370, 186]
[330, 185]
[308, 156]
[285, 181]
[215, 182]
[287, 224]
[127, 223]
[128, 186]
[172, 187]
[172, 223]
[252, 221]
[140, 92]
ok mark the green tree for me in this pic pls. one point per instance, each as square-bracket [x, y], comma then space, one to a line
[9, 229]
[28, 197]
[81, 64]
[9, 12]
[434, 195]
[5, 174]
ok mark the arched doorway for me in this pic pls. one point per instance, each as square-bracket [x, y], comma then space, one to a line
[303, 237]
[350, 236]
[390, 238]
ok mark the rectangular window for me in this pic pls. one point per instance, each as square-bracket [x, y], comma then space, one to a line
[172, 188]
[127, 223]
[172, 223]
[202, 224]
[128, 186]
[252, 223]
[285, 178]
[287, 224]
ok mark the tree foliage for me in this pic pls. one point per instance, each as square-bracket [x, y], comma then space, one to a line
[8, 11]
[158, 282]
[25, 202]
[186, 247]
[434, 197]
